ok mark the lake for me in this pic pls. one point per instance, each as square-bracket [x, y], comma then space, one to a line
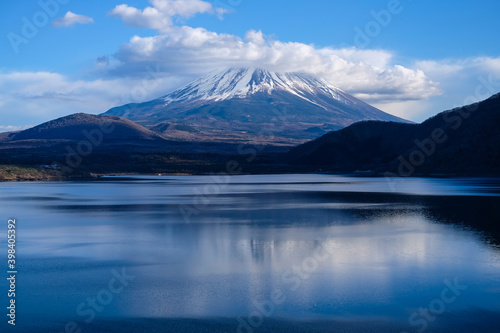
[266, 253]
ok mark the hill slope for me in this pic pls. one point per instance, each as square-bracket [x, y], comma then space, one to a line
[463, 140]
[75, 127]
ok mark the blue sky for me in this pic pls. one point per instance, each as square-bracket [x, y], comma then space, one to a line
[412, 58]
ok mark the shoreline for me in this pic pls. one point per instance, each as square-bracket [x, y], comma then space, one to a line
[94, 177]
[33, 174]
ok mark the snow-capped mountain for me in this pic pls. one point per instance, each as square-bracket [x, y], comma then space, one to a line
[241, 104]
[242, 82]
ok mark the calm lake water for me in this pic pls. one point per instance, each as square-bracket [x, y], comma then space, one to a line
[250, 250]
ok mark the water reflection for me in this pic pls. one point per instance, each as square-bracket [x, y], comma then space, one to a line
[389, 246]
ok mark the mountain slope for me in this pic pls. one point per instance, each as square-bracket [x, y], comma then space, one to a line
[83, 126]
[463, 140]
[251, 104]
[111, 143]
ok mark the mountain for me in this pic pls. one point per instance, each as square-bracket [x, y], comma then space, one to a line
[465, 140]
[109, 144]
[109, 134]
[80, 140]
[252, 105]
[81, 126]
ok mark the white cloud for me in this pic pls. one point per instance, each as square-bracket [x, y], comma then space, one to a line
[71, 19]
[463, 81]
[452, 66]
[412, 110]
[41, 96]
[160, 16]
[370, 74]
[10, 128]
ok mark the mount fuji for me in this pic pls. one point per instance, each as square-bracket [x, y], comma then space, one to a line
[252, 105]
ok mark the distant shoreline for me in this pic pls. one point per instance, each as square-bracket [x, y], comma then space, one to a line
[18, 173]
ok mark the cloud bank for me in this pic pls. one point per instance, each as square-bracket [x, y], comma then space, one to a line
[42, 96]
[370, 74]
[366, 73]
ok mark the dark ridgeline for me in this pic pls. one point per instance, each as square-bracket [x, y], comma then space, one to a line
[465, 140]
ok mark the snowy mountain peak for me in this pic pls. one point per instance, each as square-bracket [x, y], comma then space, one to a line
[230, 83]
[237, 104]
